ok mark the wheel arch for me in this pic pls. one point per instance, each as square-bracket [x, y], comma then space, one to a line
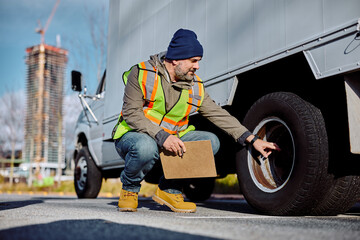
[293, 74]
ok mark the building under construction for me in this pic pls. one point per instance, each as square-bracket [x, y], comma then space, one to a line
[45, 89]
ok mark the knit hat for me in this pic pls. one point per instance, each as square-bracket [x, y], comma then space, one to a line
[184, 45]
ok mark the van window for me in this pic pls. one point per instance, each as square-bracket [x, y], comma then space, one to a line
[101, 87]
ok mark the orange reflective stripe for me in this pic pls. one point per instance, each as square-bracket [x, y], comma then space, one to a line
[186, 121]
[199, 83]
[146, 111]
[143, 81]
[169, 131]
[168, 120]
[151, 118]
[200, 92]
[182, 122]
[154, 90]
[189, 105]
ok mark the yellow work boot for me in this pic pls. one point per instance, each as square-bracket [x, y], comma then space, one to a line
[128, 201]
[174, 201]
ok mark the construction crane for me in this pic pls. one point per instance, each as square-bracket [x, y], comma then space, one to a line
[42, 30]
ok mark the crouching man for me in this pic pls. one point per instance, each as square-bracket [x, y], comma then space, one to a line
[160, 94]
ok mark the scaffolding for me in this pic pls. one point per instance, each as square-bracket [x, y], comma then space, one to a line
[45, 90]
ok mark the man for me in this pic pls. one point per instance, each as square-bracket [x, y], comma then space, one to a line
[159, 96]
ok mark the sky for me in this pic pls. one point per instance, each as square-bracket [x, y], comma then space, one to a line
[18, 21]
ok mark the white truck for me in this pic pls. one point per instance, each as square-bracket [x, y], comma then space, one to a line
[288, 70]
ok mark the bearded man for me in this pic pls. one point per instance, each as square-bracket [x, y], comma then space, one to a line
[160, 94]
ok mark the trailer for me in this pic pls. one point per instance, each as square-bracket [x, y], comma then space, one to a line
[288, 70]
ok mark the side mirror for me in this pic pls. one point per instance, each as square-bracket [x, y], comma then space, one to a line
[76, 81]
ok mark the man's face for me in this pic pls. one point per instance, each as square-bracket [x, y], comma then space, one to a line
[186, 68]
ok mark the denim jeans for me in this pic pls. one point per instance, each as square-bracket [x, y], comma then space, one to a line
[140, 152]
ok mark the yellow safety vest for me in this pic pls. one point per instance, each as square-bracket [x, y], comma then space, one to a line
[174, 121]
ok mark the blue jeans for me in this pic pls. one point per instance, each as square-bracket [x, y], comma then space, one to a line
[140, 152]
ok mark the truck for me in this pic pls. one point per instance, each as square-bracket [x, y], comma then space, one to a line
[287, 70]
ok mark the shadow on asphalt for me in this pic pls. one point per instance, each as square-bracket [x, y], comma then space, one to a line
[354, 211]
[92, 229]
[239, 206]
[24, 203]
[18, 204]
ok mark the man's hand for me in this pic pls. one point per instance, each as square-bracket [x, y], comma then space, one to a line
[263, 147]
[175, 145]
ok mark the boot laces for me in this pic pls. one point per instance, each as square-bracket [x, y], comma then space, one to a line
[179, 197]
[127, 194]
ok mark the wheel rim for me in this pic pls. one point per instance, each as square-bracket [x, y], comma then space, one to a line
[272, 174]
[81, 173]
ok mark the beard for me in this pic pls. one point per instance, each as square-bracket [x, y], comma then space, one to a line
[181, 74]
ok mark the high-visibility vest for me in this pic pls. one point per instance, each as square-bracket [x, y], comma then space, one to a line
[174, 121]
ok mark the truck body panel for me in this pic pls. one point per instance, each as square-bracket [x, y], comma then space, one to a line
[352, 86]
[236, 35]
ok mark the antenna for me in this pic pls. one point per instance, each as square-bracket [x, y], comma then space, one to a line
[42, 30]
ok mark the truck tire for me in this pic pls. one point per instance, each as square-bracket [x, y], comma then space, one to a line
[87, 176]
[293, 180]
[199, 189]
[343, 191]
[343, 194]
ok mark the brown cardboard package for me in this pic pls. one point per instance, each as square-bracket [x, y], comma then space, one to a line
[197, 162]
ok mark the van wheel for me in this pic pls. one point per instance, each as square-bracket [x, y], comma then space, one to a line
[293, 180]
[87, 176]
[199, 189]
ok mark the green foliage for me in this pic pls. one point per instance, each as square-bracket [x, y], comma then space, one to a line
[227, 185]
[65, 187]
[45, 182]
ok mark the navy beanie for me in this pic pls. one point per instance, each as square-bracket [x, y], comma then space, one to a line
[184, 45]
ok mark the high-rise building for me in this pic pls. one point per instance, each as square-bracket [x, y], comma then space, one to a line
[45, 91]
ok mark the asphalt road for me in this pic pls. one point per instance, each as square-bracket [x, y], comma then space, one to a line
[60, 217]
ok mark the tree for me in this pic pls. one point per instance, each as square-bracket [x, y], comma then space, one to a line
[12, 123]
[88, 55]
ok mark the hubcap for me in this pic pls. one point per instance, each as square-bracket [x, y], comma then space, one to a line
[81, 173]
[271, 174]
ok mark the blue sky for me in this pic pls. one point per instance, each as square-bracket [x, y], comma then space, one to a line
[18, 21]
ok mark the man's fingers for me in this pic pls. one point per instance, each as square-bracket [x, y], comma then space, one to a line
[277, 148]
[180, 153]
[265, 147]
[175, 145]
[270, 145]
[182, 145]
[178, 147]
[266, 154]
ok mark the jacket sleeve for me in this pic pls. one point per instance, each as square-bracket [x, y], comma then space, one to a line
[132, 109]
[222, 119]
